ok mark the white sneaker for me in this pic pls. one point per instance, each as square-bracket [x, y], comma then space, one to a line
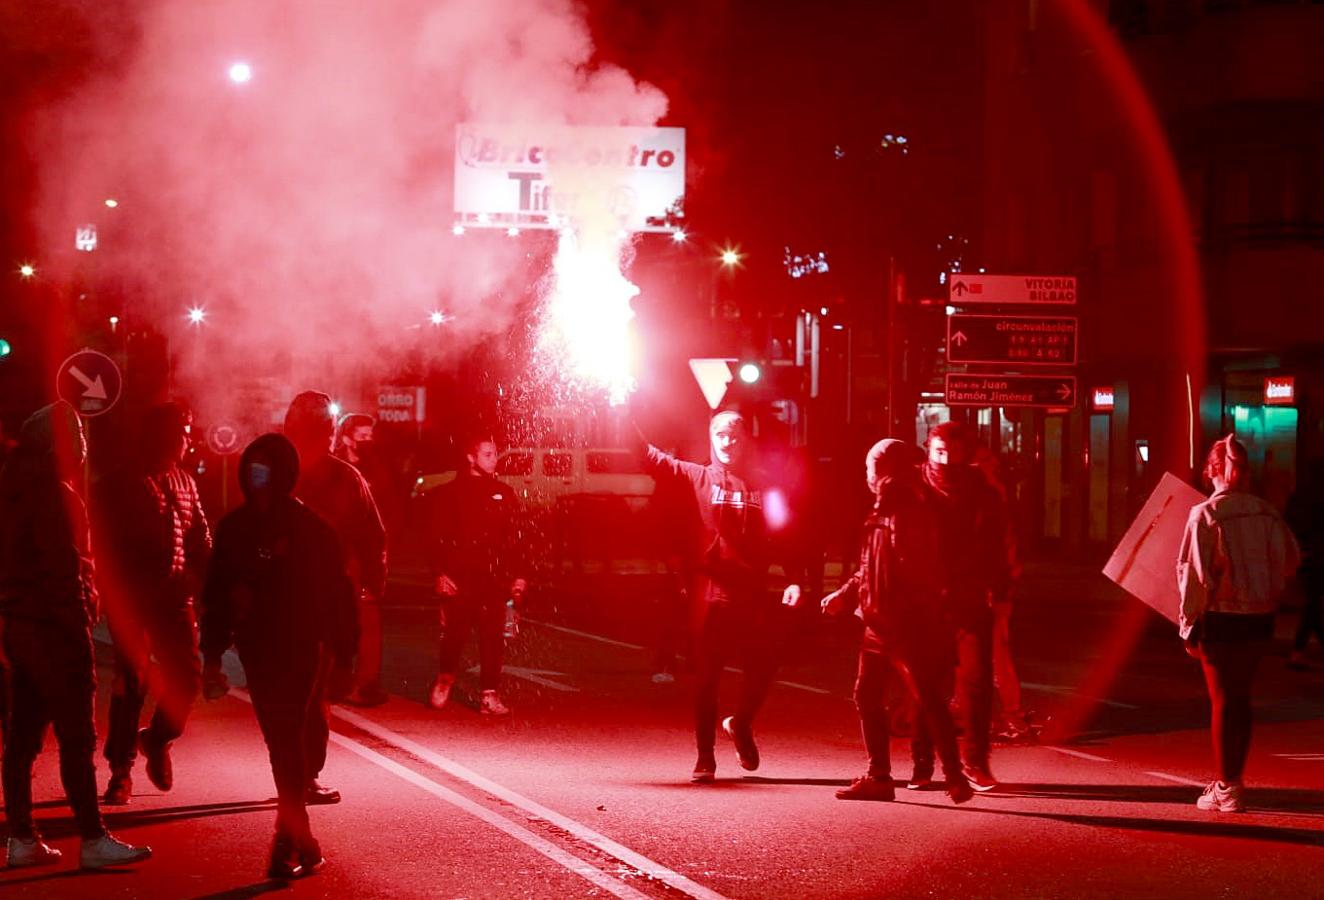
[663, 678]
[1220, 797]
[491, 705]
[107, 850]
[31, 852]
[441, 691]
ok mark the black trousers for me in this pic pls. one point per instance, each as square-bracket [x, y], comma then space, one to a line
[172, 638]
[1312, 614]
[742, 628]
[484, 610]
[52, 681]
[1229, 671]
[286, 698]
[974, 689]
[920, 669]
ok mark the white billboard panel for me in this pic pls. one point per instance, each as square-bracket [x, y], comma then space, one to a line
[541, 176]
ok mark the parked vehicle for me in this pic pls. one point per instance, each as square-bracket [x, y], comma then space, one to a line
[546, 477]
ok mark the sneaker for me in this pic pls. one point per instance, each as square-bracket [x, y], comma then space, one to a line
[980, 778]
[441, 691]
[119, 790]
[746, 750]
[160, 771]
[1220, 797]
[959, 789]
[284, 864]
[705, 769]
[868, 788]
[31, 852]
[491, 705]
[921, 778]
[368, 695]
[107, 850]
[663, 678]
[317, 795]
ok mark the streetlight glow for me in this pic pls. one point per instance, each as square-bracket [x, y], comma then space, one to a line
[730, 257]
[27, 270]
[457, 230]
[437, 317]
[241, 73]
[197, 315]
[679, 236]
[111, 203]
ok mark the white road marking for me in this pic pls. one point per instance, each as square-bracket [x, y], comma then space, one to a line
[1062, 689]
[1079, 754]
[1176, 779]
[501, 823]
[1301, 757]
[534, 675]
[615, 643]
[582, 832]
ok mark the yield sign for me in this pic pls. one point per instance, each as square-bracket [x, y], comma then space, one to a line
[713, 376]
[90, 382]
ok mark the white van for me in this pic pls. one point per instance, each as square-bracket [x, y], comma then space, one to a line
[545, 476]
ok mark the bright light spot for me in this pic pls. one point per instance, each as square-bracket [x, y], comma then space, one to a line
[951, 310]
[114, 320]
[679, 235]
[822, 310]
[749, 373]
[197, 315]
[776, 510]
[588, 314]
[5, 348]
[241, 73]
[111, 202]
[437, 317]
[512, 231]
[838, 327]
[484, 218]
[457, 229]
[27, 270]
[334, 409]
[730, 257]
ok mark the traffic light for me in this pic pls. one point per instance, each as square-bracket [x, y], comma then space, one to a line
[5, 348]
[750, 372]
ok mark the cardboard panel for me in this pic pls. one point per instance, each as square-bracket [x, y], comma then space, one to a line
[1145, 561]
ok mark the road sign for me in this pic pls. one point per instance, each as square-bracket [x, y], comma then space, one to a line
[1028, 340]
[965, 290]
[223, 439]
[90, 382]
[401, 404]
[713, 376]
[1010, 390]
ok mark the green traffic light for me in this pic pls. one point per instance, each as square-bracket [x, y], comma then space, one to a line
[5, 348]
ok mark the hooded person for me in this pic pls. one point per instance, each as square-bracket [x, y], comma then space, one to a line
[728, 557]
[277, 591]
[896, 592]
[336, 491]
[153, 542]
[976, 566]
[48, 605]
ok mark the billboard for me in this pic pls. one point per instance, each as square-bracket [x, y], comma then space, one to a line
[529, 176]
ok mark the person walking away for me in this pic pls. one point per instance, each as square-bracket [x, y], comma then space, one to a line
[976, 576]
[48, 605]
[335, 491]
[729, 561]
[897, 593]
[475, 571]
[1235, 558]
[154, 542]
[277, 591]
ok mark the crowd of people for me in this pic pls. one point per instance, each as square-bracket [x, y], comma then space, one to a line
[293, 580]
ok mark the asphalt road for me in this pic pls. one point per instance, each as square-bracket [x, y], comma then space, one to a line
[583, 790]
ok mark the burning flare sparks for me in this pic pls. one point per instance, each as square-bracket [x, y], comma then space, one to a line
[586, 329]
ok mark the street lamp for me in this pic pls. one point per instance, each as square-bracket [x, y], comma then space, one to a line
[27, 270]
[730, 257]
[241, 72]
[197, 315]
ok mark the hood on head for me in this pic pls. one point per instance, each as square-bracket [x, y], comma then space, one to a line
[309, 419]
[725, 417]
[275, 457]
[889, 458]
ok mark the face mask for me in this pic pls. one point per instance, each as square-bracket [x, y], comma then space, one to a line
[259, 476]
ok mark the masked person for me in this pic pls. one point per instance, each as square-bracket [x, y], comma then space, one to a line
[48, 605]
[1235, 558]
[474, 570]
[897, 593]
[277, 590]
[976, 567]
[336, 491]
[154, 542]
[728, 559]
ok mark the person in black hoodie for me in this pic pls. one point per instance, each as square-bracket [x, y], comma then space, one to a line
[277, 590]
[48, 605]
[897, 593]
[474, 571]
[728, 559]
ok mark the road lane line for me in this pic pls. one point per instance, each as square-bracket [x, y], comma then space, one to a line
[1062, 689]
[615, 643]
[1079, 754]
[1176, 779]
[501, 823]
[425, 754]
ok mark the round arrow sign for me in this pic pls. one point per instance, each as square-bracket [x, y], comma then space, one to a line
[223, 439]
[90, 382]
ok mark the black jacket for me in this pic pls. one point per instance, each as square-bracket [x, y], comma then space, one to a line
[475, 535]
